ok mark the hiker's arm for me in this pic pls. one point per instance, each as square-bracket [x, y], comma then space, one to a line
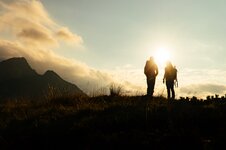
[164, 77]
[176, 81]
[156, 70]
[145, 68]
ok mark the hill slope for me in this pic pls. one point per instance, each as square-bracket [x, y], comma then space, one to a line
[18, 79]
[110, 122]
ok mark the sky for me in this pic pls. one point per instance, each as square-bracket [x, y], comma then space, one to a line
[95, 43]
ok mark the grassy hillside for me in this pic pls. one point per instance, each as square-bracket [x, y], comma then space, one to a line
[113, 122]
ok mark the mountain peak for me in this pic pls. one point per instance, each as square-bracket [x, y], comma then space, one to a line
[15, 68]
[17, 60]
[50, 72]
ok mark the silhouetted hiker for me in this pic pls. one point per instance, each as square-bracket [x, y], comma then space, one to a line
[171, 77]
[151, 71]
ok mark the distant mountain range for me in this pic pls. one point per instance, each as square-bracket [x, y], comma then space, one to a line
[18, 79]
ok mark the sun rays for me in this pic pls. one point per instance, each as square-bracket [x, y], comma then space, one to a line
[161, 55]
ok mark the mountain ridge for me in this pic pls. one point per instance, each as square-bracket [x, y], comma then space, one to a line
[18, 79]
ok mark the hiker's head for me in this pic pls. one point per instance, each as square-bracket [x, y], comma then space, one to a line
[151, 58]
[169, 64]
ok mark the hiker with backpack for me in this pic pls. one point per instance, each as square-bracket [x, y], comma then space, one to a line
[170, 77]
[151, 71]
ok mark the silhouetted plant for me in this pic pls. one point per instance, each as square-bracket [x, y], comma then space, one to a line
[115, 90]
[216, 96]
[208, 97]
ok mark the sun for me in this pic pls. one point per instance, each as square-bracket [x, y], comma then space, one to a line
[161, 55]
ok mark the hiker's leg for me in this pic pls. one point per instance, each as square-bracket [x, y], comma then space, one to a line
[168, 89]
[151, 85]
[173, 93]
[168, 93]
[172, 89]
[148, 86]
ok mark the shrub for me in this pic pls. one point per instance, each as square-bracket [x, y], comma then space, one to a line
[116, 90]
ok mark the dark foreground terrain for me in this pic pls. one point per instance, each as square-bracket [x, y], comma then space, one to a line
[109, 122]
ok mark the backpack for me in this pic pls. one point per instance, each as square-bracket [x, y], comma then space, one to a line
[150, 69]
[174, 73]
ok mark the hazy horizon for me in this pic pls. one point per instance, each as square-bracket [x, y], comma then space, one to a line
[95, 43]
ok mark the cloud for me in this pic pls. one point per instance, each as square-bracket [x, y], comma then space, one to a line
[31, 10]
[66, 35]
[203, 90]
[28, 21]
[34, 35]
[199, 76]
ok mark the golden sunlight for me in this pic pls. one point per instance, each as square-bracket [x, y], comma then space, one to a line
[161, 55]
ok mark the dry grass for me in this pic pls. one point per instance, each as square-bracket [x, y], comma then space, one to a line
[115, 120]
[116, 90]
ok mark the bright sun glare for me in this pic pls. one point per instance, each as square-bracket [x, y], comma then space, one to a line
[161, 55]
